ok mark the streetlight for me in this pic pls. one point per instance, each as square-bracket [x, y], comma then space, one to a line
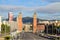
[56, 24]
[47, 28]
[52, 28]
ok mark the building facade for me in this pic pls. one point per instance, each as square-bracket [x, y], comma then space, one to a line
[41, 27]
[10, 16]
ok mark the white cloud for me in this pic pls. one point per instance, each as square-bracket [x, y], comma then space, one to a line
[14, 8]
[51, 8]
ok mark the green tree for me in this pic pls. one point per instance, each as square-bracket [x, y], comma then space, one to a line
[2, 28]
[57, 28]
[7, 37]
[5, 29]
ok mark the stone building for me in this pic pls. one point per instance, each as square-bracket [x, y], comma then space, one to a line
[40, 27]
[10, 16]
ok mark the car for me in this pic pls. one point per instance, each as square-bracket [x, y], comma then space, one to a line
[45, 36]
[50, 37]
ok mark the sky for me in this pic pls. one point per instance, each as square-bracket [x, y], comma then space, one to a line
[45, 9]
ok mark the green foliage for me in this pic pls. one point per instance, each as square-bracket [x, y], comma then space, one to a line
[56, 27]
[31, 28]
[5, 28]
[24, 28]
[2, 28]
[7, 37]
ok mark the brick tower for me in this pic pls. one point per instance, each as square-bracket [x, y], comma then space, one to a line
[34, 22]
[19, 21]
[10, 16]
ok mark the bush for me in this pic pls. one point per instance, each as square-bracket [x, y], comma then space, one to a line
[7, 37]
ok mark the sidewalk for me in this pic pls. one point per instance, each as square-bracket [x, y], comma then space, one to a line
[1, 38]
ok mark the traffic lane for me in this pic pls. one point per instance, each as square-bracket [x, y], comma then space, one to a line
[27, 36]
[38, 37]
[31, 36]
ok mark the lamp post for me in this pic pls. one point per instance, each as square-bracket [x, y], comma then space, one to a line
[47, 28]
[52, 28]
[56, 28]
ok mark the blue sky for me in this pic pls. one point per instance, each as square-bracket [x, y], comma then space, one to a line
[45, 9]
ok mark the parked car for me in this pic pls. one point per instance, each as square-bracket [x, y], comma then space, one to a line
[49, 37]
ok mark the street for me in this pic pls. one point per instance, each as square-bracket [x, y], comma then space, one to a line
[29, 36]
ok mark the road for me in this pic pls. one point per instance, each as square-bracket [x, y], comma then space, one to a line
[30, 36]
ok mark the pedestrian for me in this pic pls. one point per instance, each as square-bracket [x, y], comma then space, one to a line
[22, 34]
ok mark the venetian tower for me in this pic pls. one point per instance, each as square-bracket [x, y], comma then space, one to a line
[19, 21]
[34, 22]
[10, 16]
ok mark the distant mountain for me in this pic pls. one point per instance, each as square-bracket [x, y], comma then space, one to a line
[25, 19]
[29, 19]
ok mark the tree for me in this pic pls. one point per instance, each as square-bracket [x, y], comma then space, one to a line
[7, 37]
[2, 28]
[5, 29]
[57, 28]
[31, 27]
